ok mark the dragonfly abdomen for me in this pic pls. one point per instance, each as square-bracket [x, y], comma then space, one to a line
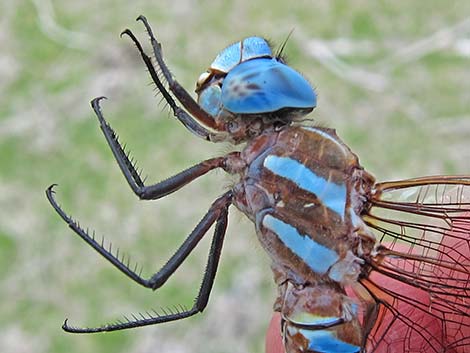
[320, 318]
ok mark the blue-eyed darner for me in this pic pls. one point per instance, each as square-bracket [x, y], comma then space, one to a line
[360, 266]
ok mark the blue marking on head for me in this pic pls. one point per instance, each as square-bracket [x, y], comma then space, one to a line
[265, 85]
[248, 48]
[330, 194]
[324, 341]
[318, 257]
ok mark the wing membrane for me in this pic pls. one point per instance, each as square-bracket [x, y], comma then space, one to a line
[421, 275]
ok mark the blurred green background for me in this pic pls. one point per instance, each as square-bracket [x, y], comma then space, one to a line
[393, 79]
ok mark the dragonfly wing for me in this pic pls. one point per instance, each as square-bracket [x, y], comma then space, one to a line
[421, 276]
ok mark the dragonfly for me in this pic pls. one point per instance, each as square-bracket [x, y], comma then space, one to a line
[360, 265]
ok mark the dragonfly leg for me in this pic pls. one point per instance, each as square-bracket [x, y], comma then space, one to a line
[133, 178]
[159, 278]
[204, 291]
[200, 117]
[180, 93]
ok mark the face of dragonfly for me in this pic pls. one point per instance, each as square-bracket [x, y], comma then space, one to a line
[246, 81]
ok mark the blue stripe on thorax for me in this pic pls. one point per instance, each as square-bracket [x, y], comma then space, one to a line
[330, 194]
[324, 341]
[318, 257]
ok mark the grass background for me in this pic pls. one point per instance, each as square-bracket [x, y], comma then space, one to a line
[393, 79]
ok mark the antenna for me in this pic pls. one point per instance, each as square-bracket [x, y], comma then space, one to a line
[281, 49]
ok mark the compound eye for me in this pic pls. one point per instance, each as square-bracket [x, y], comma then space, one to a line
[202, 79]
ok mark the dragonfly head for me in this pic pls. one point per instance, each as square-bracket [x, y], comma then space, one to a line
[249, 88]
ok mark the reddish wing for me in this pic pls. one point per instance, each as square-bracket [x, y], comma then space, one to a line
[421, 279]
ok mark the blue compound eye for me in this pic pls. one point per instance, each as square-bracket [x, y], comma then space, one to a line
[265, 85]
[248, 48]
[209, 99]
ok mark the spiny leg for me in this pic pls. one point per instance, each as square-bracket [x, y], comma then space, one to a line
[160, 277]
[180, 93]
[156, 191]
[204, 292]
[191, 123]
